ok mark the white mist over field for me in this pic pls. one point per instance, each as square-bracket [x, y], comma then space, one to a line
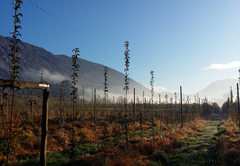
[52, 77]
[217, 92]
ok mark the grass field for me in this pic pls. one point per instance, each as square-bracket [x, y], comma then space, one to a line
[159, 142]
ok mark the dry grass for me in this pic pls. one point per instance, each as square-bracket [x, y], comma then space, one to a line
[231, 143]
[59, 138]
[134, 127]
[90, 135]
[128, 158]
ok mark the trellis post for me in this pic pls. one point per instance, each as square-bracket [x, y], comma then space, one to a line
[181, 105]
[45, 88]
[44, 127]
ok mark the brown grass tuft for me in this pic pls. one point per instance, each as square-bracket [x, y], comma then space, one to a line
[128, 158]
[88, 133]
[148, 148]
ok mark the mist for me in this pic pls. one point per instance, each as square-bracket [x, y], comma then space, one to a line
[50, 77]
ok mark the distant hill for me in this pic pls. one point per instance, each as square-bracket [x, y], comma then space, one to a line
[55, 68]
[219, 91]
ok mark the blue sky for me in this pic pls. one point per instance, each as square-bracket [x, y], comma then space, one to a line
[188, 43]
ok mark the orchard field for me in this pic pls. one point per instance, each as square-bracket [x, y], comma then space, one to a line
[104, 134]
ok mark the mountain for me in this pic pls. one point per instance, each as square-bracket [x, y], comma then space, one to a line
[219, 91]
[56, 68]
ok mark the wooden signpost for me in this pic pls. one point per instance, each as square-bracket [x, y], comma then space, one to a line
[45, 88]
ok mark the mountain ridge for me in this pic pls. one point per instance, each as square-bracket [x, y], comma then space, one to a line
[55, 68]
[218, 90]
[35, 60]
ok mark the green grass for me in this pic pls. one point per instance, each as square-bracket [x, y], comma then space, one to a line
[52, 160]
[188, 159]
[62, 157]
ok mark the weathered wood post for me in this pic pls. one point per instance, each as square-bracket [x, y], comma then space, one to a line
[134, 108]
[44, 127]
[94, 105]
[31, 106]
[181, 105]
[199, 107]
[45, 87]
[238, 116]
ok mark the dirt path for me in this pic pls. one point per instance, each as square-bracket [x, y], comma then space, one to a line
[199, 150]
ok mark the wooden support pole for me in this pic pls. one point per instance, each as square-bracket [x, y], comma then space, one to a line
[35, 85]
[94, 105]
[199, 107]
[31, 106]
[44, 127]
[181, 105]
[238, 116]
[134, 108]
[23, 84]
[143, 97]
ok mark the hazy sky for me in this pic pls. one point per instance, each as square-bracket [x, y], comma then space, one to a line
[188, 43]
